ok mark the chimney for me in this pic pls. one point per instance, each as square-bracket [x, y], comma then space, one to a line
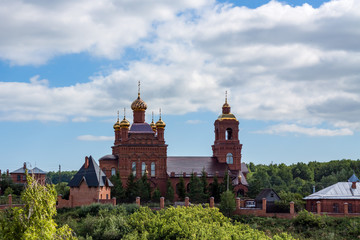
[7, 172]
[353, 186]
[86, 162]
[313, 188]
[24, 165]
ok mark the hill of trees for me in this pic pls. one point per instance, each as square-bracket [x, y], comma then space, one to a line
[300, 178]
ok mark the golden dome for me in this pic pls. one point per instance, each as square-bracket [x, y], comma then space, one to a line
[228, 116]
[160, 124]
[117, 125]
[124, 123]
[152, 124]
[139, 104]
[226, 105]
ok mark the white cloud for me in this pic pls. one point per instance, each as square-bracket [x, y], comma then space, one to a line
[310, 131]
[94, 138]
[280, 63]
[38, 30]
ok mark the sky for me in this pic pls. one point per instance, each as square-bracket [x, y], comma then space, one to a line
[291, 69]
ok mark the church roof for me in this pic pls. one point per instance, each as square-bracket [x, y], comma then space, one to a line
[35, 170]
[340, 190]
[109, 157]
[179, 165]
[141, 128]
[90, 175]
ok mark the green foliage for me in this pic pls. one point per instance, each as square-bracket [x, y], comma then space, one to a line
[215, 190]
[308, 219]
[118, 190]
[226, 183]
[8, 191]
[131, 189]
[204, 183]
[65, 176]
[195, 189]
[227, 203]
[190, 223]
[143, 188]
[35, 219]
[300, 177]
[287, 197]
[180, 190]
[63, 189]
[6, 183]
[156, 195]
[169, 192]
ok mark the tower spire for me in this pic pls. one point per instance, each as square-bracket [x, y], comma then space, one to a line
[225, 96]
[124, 113]
[139, 89]
[160, 113]
[118, 115]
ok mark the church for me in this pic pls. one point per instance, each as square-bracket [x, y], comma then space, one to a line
[141, 148]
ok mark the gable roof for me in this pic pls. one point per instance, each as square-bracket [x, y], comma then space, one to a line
[264, 193]
[340, 190]
[35, 170]
[90, 175]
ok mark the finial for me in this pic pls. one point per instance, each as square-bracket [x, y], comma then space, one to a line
[124, 113]
[118, 114]
[225, 96]
[138, 88]
[160, 113]
[152, 116]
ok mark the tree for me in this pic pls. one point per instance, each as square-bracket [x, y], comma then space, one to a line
[180, 189]
[169, 191]
[156, 195]
[35, 219]
[196, 190]
[118, 190]
[131, 188]
[227, 182]
[63, 189]
[204, 183]
[215, 190]
[143, 188]
[227, 203]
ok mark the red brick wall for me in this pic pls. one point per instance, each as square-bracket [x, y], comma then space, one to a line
[327, 205]
[85, 195]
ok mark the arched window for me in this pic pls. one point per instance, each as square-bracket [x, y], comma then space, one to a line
[153, 169]
[143, 168]
[133, 168]
[229, 158]
[228, 134]
[113, 171]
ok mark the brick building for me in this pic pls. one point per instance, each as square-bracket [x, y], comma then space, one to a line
[89, 185]
[339, 198]
[19, 176]
[140, 147]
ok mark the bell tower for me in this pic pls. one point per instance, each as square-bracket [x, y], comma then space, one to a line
[227, 147]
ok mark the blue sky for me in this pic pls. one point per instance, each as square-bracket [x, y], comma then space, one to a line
[290, 67]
